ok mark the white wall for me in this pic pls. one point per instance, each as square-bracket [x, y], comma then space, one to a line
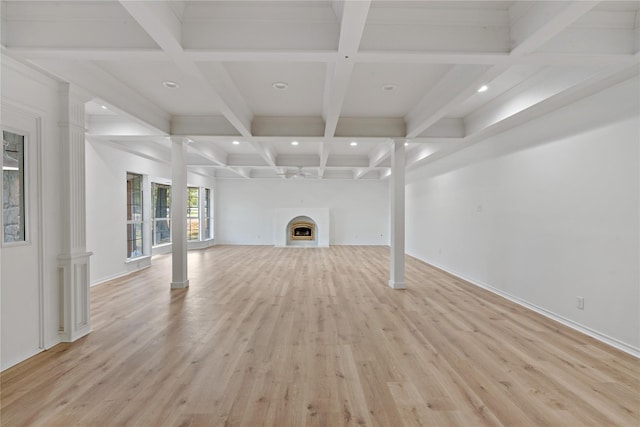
[29, 271]
[244, 209]
[107, 168]
[544, 213]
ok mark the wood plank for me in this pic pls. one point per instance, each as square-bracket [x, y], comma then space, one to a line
[314, 336]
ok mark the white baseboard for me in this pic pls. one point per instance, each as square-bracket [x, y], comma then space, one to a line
[201, 244]
[108, 278]
[613, 342]
[130, 266]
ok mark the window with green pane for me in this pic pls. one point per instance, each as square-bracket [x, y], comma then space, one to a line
[134, 216]
[208, 215]
[161, 226]
[193, 213]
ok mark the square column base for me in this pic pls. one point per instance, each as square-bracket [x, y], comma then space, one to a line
[397, 285]
[180, 285]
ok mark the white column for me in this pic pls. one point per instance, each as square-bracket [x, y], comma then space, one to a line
[73, 261]
[396, 200]
[179, 213]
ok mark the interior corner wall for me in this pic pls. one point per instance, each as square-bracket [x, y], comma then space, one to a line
[106, 171]
[544, 213]
[245, 209]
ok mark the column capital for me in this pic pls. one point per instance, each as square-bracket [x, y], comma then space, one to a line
[74, 92]
[399, 140]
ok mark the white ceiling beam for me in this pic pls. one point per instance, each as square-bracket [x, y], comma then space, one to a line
[376, 156]
[360, 172]
[89, 54]
[210, 55]
[202, 126]
[461, 80]
[496, 120]
[217, 156]
[324, 156]
[379, 127]
[393, 57]
[531, 28]
[335, 90]
[267, 153]
[542, 21]
[542, 85]
[159, 20]
[446, 127]
[428, 150]
[492, 58]
[93, 79]
[287, 126]
[208, 151]
[378, 57]
[591, 86]
[298, 160]
[379, 154]
[206, 172]
[116, 125]
[338, 7]
[156, 154]
[243, 171]
[352, 23]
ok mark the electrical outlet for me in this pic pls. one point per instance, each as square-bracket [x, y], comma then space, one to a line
[580, 303]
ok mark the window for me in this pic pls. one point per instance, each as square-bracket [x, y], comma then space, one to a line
[13, 194]
[208, 215]
[161, 214]
[134, 216]
[193, 213]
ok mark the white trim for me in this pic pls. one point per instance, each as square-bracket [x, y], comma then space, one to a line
[613, 342]
[138, 263]
[162, 249]
[41, 228]
[117, 276]
[199, 244]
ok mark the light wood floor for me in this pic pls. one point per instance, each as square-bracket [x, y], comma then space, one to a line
[296, 337]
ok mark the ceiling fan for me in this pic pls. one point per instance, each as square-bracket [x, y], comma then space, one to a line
[296, 174]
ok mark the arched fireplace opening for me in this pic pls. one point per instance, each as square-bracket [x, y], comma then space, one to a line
[302, 231]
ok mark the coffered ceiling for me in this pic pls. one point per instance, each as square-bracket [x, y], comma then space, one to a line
[341, 78]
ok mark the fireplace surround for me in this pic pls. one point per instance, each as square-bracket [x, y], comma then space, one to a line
[285, 217]
[301, 231]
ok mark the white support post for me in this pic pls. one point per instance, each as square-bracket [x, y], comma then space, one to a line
[73, 261]
[179, 213]
[396, 198]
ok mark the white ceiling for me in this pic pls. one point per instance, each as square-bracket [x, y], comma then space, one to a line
[336, 58]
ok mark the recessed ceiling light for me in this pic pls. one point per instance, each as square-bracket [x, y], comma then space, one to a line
[170, 85]
[236, 142]
[280, 85]
[406, 143]
[294, 142]
[483, 88]
[353, 143]
[104, 107]
[389, 87]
